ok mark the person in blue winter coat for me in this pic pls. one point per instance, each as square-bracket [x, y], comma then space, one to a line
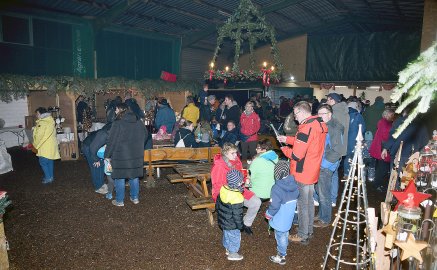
[355, 119]
[282, 206]
[231, 135]
[165, 116]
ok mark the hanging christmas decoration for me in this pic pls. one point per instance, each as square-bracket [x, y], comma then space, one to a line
[417, 82]
[246, 25]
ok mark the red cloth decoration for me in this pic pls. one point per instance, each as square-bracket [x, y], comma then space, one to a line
[410, 197]
[167, 76]
[327, 86]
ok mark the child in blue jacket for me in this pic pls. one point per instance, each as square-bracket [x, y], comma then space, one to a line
[281, 209]
[229, 206]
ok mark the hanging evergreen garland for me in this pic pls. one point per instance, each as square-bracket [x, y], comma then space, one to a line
[246, 25]
[18, 86]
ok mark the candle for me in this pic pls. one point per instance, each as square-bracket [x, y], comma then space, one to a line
[265, 64]
[273, 68]
[211, 65]
[227, 68]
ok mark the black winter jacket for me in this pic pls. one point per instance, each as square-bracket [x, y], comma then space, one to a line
[188, 137]
[125, 147]
[229, 207]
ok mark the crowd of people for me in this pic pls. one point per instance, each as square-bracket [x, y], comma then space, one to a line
[318, 143]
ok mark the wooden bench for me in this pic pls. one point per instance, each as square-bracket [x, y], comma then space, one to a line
[169, 157]
[203, 203]
[177, 178]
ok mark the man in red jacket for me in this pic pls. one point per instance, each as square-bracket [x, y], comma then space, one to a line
[305, 159]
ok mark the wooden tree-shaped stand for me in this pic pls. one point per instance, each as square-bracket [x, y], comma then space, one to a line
[350, 242]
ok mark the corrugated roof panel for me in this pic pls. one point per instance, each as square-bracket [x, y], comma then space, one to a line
[299, 15]
[323, 8]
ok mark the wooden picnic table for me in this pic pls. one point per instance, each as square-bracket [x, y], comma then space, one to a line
[198, 175]
[162, 143]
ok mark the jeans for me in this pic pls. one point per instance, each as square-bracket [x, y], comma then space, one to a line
[248, 147]
[253, 206]
[334, 185]
[134, 187]
[281, 242]
[97, 173]
[47, 168]
[324, 191]
[305, 208]
[232, 240]
[110, 184]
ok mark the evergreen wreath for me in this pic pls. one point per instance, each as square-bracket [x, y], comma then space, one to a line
[246, 24]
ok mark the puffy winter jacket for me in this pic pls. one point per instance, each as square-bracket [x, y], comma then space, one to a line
[283, 204]
[249, 126]
[187, 136]
[218, 176]
[230, 137]
[229, 207]
[308, 146]
[261, 174]
[165, 116]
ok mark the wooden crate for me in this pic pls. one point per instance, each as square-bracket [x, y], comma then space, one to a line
[68, 150]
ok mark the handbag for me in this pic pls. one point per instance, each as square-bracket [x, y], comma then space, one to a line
[181, 141]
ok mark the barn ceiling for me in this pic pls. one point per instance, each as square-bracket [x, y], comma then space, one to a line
[196, 21]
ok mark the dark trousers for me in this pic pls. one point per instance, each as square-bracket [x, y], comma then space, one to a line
[382, 174]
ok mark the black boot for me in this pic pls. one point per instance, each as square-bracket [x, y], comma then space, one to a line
[247, 230]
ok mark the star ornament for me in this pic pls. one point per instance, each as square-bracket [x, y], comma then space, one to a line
[410, 197]
[411, 248]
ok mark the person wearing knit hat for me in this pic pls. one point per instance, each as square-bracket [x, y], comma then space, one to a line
[235, 179]
[282, 208]
[282, 170]
[229, 207]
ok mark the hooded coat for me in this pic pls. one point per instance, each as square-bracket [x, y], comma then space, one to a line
[229, 207]
[381, 135]
[44, 137]
[125, 147]
[283, 204]
[218, 176]
[191, 113]
[341, 113]
[307, 151]
[261, 174]
[333, 144]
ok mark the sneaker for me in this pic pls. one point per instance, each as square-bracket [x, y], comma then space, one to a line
[320, 224]
[316, 203]
[278, 259]
[108, 196]
[45, 182]
[227, 252]
[333, 204]
[247, 230]
[103, 189]
[114, 202]
[296, 238]
[235, 257]
[135, 201]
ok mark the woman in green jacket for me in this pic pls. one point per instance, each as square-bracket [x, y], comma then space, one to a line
[261, 169]
[44, 140]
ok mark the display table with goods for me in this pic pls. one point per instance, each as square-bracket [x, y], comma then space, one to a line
[409, 220]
